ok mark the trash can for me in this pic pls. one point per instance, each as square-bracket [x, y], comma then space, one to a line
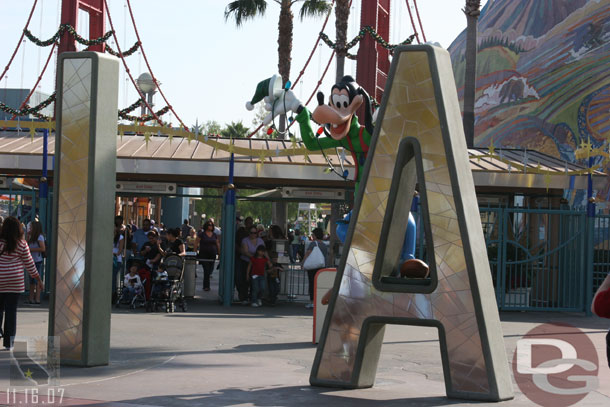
[190, 270]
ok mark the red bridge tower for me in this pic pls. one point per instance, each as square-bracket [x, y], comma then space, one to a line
[97, 22]
[373, 59]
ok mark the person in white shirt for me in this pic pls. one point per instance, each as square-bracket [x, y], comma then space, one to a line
[132, 284]
[118, 249]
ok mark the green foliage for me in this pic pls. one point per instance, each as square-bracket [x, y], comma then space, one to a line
[261, 210]
[211, 127]
[314, 8]
[243, 10]
[212, 207]
[235, 130]
[259, 115]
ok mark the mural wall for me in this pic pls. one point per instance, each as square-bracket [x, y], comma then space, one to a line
[543, 75]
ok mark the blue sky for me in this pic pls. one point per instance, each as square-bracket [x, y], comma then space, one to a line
[208, 68]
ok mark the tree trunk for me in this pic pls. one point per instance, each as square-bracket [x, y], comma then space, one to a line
[341, 19]
[284, 40]
[284, 51]
[472, 14]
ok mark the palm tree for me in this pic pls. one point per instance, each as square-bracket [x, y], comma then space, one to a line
[341, 19]
[472, 11]
[234, 130]
[243, 10]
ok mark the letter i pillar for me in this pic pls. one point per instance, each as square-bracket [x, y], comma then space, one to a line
[83, 206]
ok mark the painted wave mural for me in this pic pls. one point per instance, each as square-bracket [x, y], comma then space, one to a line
[543, 75]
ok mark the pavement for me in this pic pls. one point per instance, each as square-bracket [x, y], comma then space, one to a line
[243, 356]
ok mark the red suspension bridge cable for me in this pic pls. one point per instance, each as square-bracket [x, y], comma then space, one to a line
[319, 83]
[315, 46]
[413, 22]
[149, 69]
[152, 112]
[421, 27]
[38, 81]
[321, 78]
[260, 126]
[19, 42]
[323, 73]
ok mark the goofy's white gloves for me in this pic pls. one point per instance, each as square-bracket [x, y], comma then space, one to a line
[287, 102]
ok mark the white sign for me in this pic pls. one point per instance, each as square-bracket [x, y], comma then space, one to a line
[154, 188]
[330, 194]
[307, 206]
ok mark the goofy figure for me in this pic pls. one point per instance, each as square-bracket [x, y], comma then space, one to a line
[341, 128]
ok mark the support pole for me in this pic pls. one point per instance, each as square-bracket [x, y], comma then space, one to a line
[589, 248]
[227, 249]
[44, 196]
[44, 184]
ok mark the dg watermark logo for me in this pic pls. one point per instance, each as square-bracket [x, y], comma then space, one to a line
[555, 365]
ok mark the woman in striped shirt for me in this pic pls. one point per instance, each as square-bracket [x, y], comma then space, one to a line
[14, 257]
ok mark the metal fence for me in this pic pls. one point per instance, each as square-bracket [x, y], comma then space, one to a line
[543, 259]
[294, 283]
[601, 250]
[538, 258]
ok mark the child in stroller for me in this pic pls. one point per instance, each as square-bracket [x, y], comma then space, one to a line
[132, 293]
[168, 284]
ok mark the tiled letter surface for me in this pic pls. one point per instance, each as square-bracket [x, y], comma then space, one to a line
[85, 177]
[420, 109]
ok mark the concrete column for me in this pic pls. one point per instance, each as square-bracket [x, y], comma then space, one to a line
[278, 214]
[87, 105]
[175, 209]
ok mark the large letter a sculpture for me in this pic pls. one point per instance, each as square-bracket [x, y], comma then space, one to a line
[419, 139]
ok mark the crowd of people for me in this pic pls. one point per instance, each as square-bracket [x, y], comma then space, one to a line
[253, 244]
[257, 270]
[151, 244]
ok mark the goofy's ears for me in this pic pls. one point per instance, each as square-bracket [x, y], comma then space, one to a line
[320, 97]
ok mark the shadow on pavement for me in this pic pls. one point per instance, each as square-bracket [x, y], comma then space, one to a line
[579, 320]
[126, 360]
[294, 396]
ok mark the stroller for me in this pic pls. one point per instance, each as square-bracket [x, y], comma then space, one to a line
[139, 298]
[168, 286]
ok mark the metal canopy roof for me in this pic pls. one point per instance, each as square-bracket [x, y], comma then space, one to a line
[195, 163]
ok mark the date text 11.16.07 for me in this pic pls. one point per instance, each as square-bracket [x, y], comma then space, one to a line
[33, 396]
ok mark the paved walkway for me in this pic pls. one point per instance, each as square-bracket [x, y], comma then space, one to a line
[242, 356]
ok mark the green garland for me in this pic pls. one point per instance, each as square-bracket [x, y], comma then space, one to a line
[131, 107]
[40, 116]
[27, 110]
[360, 36]
[144, 118]
[127, 53]
[67, 27]
[63, 28]
[123, 113]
